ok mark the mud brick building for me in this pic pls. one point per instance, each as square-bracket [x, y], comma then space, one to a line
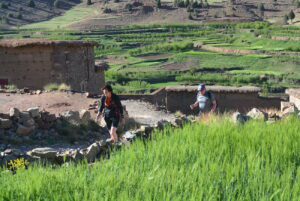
[35, 63]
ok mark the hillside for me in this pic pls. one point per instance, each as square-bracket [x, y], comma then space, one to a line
[19, 12]
[128, 12]
[218, 161]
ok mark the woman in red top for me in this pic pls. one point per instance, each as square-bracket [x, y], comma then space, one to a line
[112, 110]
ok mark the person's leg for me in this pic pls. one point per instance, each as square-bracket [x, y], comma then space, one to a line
[113, 134]
[114, 127]
[108, 123]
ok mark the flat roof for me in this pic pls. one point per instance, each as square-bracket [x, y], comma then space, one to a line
[226, 89]
[15, 43]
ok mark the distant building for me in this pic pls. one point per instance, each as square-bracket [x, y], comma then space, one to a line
[36, 63]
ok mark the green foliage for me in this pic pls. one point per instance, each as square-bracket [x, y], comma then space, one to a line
[31, 3]
[216, 161]
[57, 87]
[3, 6]
[162, 48]
[261, 7]
[56, 3]
[158, 3]
[291, 15]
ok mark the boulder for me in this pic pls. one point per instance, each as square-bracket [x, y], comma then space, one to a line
[46, 153]
[14, 112]
[91, 152]
[85, 116]
[162, 124]
[129, 136]
[34, 112]
[29, 123]
[239, 118]
[24, 116]
[289, 111]
[63, 157]
[5, 123]
[38, 92]
[72, 117]
[144, 129]
[257, 114]
[284, 105]
[77, 156]
[24, 131]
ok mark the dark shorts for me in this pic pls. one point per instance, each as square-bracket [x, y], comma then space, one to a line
[112, 122]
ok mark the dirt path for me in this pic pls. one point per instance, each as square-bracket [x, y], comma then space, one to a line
[145, 113]
[58, 102]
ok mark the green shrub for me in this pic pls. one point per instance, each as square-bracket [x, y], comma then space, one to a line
[31, 3]
[57, 87]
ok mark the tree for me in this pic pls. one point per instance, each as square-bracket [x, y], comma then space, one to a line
[20, 16]
[31, 4]
[56, 4]
[291, 15]
[285, 19]
[187, 3]
[158, 2]
[3, 6]
[261, 7]
[190, 16]
[4, 20]
[298, 4]
[231, 2]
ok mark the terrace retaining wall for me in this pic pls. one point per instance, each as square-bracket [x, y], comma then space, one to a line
[240, 99]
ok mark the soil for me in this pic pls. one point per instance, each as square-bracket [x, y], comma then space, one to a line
[58, 102]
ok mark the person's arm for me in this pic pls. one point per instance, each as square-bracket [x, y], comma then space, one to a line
[214, 103]
[100, 109]
[214, 106]
[193, 106]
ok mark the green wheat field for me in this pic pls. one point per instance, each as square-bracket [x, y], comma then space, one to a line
[215, 161]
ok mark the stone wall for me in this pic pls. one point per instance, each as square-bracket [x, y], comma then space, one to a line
[36, 66]
[240, 99]
[158, 97]
[294, 96]
[227, 101]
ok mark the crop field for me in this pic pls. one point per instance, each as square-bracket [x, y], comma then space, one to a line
[142, 58]
[215, 161]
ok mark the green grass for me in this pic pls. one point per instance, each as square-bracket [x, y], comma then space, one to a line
[72, 16]
[216, 161]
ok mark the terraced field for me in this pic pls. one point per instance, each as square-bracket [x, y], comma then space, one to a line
[142, 58]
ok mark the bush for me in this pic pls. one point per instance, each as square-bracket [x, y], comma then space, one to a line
[10, 15]
[107, 10]
[56, 87]
[56, 3]
[31, 4]
[20, 16]
[3, 6]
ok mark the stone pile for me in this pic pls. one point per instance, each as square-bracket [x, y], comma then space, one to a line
[31, 127]
[21, 91]
[287, 109]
